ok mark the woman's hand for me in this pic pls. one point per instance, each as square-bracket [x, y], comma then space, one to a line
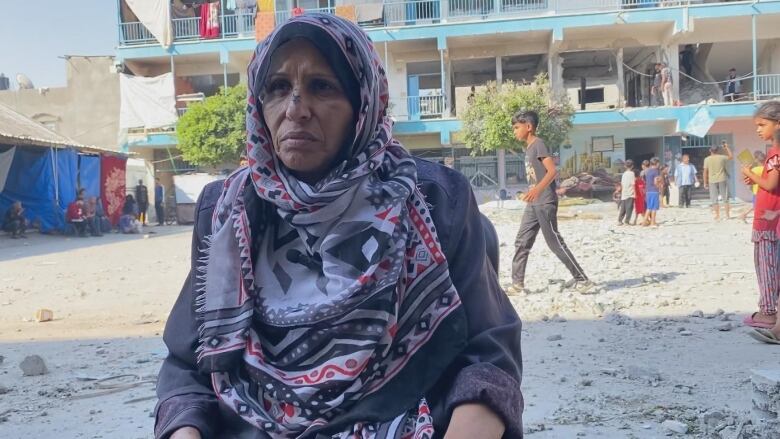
[474, 421]
[186, 433]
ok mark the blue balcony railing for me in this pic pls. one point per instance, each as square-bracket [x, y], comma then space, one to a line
[415, 12]
[425, 107]
[767, 87]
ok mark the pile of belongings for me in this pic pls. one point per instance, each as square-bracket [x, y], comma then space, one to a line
[589, 185]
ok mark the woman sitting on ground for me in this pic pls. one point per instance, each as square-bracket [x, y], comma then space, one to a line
[340, 288]
[128, 222]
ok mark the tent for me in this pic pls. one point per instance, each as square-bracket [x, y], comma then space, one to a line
[44, 170]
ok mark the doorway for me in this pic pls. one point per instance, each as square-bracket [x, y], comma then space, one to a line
[643, 148]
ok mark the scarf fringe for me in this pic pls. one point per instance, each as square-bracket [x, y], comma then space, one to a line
[201, 271]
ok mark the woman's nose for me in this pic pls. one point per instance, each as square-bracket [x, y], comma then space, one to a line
[297, 106]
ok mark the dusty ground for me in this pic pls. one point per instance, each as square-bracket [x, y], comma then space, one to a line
[615, 364]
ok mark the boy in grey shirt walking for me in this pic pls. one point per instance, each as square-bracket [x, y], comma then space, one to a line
[542, 209]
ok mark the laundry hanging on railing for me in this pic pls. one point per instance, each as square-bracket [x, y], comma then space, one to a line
[155, 15]
[209, 20]
[147, 102]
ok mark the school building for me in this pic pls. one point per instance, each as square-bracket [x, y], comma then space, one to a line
[601, 53]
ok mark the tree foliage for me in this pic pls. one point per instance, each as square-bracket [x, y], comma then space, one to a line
[214, 131]
[487, 122]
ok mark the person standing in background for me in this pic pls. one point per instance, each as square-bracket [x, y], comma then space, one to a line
[159, 198]
[628, 193]
[653, 197]
[716, 178]
[142, 201]
[666, 85]
[685, 177]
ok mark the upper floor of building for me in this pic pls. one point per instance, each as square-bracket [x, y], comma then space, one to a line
[236, 24]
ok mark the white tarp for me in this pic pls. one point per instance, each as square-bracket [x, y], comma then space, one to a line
[188, 187]
[147, 102]
[156, 16]
[5, 165]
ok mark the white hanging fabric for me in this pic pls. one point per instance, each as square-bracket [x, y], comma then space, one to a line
[6, 158]
[147, 102]
[156, 16]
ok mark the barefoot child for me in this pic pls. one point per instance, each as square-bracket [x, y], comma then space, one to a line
[765, 224]
[639, 191]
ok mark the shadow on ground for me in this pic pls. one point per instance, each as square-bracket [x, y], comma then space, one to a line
[38, 244]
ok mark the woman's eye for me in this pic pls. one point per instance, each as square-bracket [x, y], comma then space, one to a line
[277, 87]
[322, 86]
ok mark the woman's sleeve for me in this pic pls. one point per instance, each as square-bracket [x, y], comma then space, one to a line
[490, 368]
[185, 396]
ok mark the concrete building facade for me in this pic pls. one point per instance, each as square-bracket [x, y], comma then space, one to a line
[436, 51]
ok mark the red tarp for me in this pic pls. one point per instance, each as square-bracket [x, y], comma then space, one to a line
[112, 183]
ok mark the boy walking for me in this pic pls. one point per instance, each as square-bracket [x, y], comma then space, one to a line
[653, 194]
[627, 182]
[542, 209]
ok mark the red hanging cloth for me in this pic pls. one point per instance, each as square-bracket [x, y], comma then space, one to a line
[209, 20]
[112, 186]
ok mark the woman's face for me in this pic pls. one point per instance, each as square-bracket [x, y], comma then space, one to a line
[306, 110]
[765, 128]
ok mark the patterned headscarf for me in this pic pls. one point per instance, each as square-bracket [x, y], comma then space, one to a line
[347, 281]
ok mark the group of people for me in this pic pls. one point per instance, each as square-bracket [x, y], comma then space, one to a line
[662, 90]
[645, 195]
[134, 216]
[642, 195]
[86, 216]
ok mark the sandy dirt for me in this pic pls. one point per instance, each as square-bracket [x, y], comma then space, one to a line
[661, 339]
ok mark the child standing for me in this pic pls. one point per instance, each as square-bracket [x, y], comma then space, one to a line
[628, 193]
[758, 169]
[653, 197]
[639, 193]
[765, 225]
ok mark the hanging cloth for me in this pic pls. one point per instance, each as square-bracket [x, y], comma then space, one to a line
[209, 20]
[155, 16]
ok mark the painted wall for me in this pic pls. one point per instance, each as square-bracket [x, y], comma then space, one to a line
[581, 137]
[86, 109]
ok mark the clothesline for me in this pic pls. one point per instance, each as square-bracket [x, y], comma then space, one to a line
[739, 78]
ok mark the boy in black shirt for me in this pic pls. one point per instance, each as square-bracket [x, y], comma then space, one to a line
[542, 209]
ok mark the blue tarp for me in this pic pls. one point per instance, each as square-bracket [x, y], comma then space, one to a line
[67, 175]
[89, 174]
[31, 181]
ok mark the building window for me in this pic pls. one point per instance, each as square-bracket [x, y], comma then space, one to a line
[592, 96]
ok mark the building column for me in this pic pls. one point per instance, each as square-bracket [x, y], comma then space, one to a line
[671, 55]
[555, 74]
[501, 152]
[621, 78]
[755, 57]
[448, 88]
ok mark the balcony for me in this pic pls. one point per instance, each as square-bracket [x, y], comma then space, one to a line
[767, 87]
[398, 13]
[425, 107]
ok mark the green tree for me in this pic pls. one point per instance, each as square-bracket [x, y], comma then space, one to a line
[487, 123]
[214, 131]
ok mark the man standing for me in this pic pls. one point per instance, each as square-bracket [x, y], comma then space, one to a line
[159, 197]
[655, 91]
[142, 198]
[666, 85]
[685, 178]
[541, 212]
[733, 86]
[716, 178]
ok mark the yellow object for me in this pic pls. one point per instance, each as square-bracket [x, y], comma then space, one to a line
[758, 170]
[746, 157]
